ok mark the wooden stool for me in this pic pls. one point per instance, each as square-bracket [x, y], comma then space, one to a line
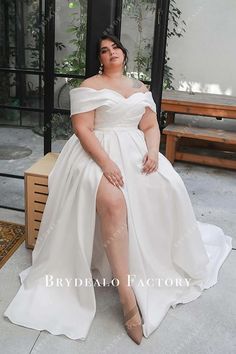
[36, 194]
[175, 131]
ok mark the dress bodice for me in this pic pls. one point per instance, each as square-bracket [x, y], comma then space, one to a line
[111, 108]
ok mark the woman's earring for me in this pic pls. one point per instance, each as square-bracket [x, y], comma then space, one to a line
[100, 69]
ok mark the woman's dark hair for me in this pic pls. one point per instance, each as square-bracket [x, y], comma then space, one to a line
[116, 41]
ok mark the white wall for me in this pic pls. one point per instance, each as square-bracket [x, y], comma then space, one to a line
[205, 57]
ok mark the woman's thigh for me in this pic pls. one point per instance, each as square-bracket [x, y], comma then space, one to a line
[109, 199]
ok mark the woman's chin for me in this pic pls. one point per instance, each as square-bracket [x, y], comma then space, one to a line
[115, 63]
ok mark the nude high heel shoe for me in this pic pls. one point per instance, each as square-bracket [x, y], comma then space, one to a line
[135, 331]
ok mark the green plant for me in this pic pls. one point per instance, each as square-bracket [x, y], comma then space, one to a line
[176, 27]
[74, 63]
[36, 43]
[36, 34]
[142, 59]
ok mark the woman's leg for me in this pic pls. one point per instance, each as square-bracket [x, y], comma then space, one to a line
[111, 208]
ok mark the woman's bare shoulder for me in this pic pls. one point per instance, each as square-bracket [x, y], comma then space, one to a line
[91, 82]
[137, 84]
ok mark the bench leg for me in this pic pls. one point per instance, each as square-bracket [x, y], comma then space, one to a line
[171, 147]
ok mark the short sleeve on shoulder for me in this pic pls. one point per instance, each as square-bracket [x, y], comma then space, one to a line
[149, 101]
[84, 99]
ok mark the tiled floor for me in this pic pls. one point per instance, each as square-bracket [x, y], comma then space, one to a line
[206, 325]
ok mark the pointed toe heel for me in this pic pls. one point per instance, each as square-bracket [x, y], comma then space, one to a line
[135, 331]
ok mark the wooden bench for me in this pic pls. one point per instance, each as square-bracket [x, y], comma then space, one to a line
[201, 104]
[36, 194]
[174, 132]
[197, 103]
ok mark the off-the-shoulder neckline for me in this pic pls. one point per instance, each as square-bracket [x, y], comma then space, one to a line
[107, 89]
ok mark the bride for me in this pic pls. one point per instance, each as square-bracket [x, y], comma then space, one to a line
[117, 212]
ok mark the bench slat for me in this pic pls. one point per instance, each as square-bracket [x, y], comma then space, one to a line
[205, 160]
[216, 135]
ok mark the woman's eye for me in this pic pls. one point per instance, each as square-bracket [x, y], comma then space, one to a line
[103, 51]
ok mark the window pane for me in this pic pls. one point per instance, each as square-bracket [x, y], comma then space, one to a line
[34, 34]
[61, 131]
[21, 34]
[70, 32]
[137, 30]
[19, 89]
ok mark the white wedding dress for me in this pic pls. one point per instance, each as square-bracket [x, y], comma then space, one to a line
[172, 256]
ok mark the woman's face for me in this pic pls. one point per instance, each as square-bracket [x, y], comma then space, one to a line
[110, 54]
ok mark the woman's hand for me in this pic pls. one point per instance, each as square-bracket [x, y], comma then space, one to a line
[150, 162]
[112, 172]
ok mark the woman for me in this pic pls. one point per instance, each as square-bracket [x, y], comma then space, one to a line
[116, 207]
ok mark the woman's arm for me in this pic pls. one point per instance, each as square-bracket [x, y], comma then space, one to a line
[149, 125]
